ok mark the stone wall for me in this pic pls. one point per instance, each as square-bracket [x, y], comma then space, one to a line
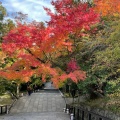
[104, 113]
[95, 112]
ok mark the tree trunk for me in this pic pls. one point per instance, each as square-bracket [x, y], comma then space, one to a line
[18, 90]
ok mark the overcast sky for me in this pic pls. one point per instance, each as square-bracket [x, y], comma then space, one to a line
[34, 8]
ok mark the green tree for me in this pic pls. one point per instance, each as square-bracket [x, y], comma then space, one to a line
[5, 27]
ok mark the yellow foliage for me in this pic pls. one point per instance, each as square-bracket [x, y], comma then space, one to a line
[2, 56]
[107, 7]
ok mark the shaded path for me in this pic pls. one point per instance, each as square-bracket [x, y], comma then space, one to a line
[39, 102]
[44, 105]
[49, 85]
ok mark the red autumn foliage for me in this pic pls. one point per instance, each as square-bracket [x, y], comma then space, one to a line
[71, 18]
[31, 43]
[72, 66]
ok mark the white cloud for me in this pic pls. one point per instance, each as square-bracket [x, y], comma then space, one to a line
[34, 8]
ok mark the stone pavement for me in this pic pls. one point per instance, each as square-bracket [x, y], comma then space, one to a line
[42, 105]
[49, 85]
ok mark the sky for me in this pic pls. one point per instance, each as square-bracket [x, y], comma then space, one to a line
[34, 8]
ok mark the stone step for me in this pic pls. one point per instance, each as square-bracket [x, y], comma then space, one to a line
[47, 91]
[37, 116]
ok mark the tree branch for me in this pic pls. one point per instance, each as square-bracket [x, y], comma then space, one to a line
[29, 51]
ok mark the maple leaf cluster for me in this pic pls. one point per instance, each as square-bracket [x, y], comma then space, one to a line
[107, 7]
[72, 66]
[73, 72]
[71, 18]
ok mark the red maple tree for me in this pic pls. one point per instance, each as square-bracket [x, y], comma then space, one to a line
[33, 45]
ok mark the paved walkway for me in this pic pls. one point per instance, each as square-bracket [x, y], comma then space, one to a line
[49, 85]
[43, 105]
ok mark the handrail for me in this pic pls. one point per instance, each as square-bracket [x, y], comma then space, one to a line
[95, 114]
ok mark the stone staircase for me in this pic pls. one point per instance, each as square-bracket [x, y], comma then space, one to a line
[46, 104]
[36, 116]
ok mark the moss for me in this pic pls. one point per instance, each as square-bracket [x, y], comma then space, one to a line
[5, 99]
[110, 103]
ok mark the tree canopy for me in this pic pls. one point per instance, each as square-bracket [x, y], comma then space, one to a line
[76, 30]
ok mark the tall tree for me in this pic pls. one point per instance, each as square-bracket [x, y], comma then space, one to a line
[33, 45]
